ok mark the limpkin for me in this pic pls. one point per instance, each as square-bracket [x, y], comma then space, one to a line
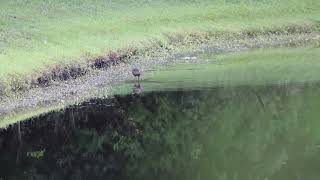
[136, 73]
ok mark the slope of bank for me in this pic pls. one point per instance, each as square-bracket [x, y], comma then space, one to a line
[37, 37]
[286, 65]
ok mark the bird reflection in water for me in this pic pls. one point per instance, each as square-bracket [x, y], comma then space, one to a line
[137, 88]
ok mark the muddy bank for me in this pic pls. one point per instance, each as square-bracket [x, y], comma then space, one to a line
[107, 72]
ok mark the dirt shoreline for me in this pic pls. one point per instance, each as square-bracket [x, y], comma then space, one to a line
[99, 81]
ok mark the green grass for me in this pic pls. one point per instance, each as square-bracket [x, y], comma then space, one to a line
[36, 34]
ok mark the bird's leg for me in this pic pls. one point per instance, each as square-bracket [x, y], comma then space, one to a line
[139, 80]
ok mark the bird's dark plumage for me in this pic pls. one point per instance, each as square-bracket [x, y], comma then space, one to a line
[136, 72]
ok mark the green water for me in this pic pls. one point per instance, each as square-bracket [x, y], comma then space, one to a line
[262, 132]
[269, 66]
[237, 133]
[245, 131]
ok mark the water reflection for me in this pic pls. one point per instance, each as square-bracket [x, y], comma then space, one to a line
[137, 88]
[223, 133]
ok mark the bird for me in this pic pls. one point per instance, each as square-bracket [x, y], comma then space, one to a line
[136, 73]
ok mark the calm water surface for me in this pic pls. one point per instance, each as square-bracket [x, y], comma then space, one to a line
[230, 133]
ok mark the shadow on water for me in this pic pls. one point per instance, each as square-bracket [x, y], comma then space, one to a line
[249, 132]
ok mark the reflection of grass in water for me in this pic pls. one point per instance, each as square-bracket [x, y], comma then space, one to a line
[265, 66]
[39, 33]
[235, 133]
[20, 116]
[269, 140]
[240, 133]
[276, 139]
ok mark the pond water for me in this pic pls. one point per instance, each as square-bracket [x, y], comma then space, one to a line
[245, 132]
[237, 119]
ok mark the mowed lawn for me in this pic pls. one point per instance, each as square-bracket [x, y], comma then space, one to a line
[36, 34]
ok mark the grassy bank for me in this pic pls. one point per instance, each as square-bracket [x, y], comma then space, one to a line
[265, 67]
[35, 35]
